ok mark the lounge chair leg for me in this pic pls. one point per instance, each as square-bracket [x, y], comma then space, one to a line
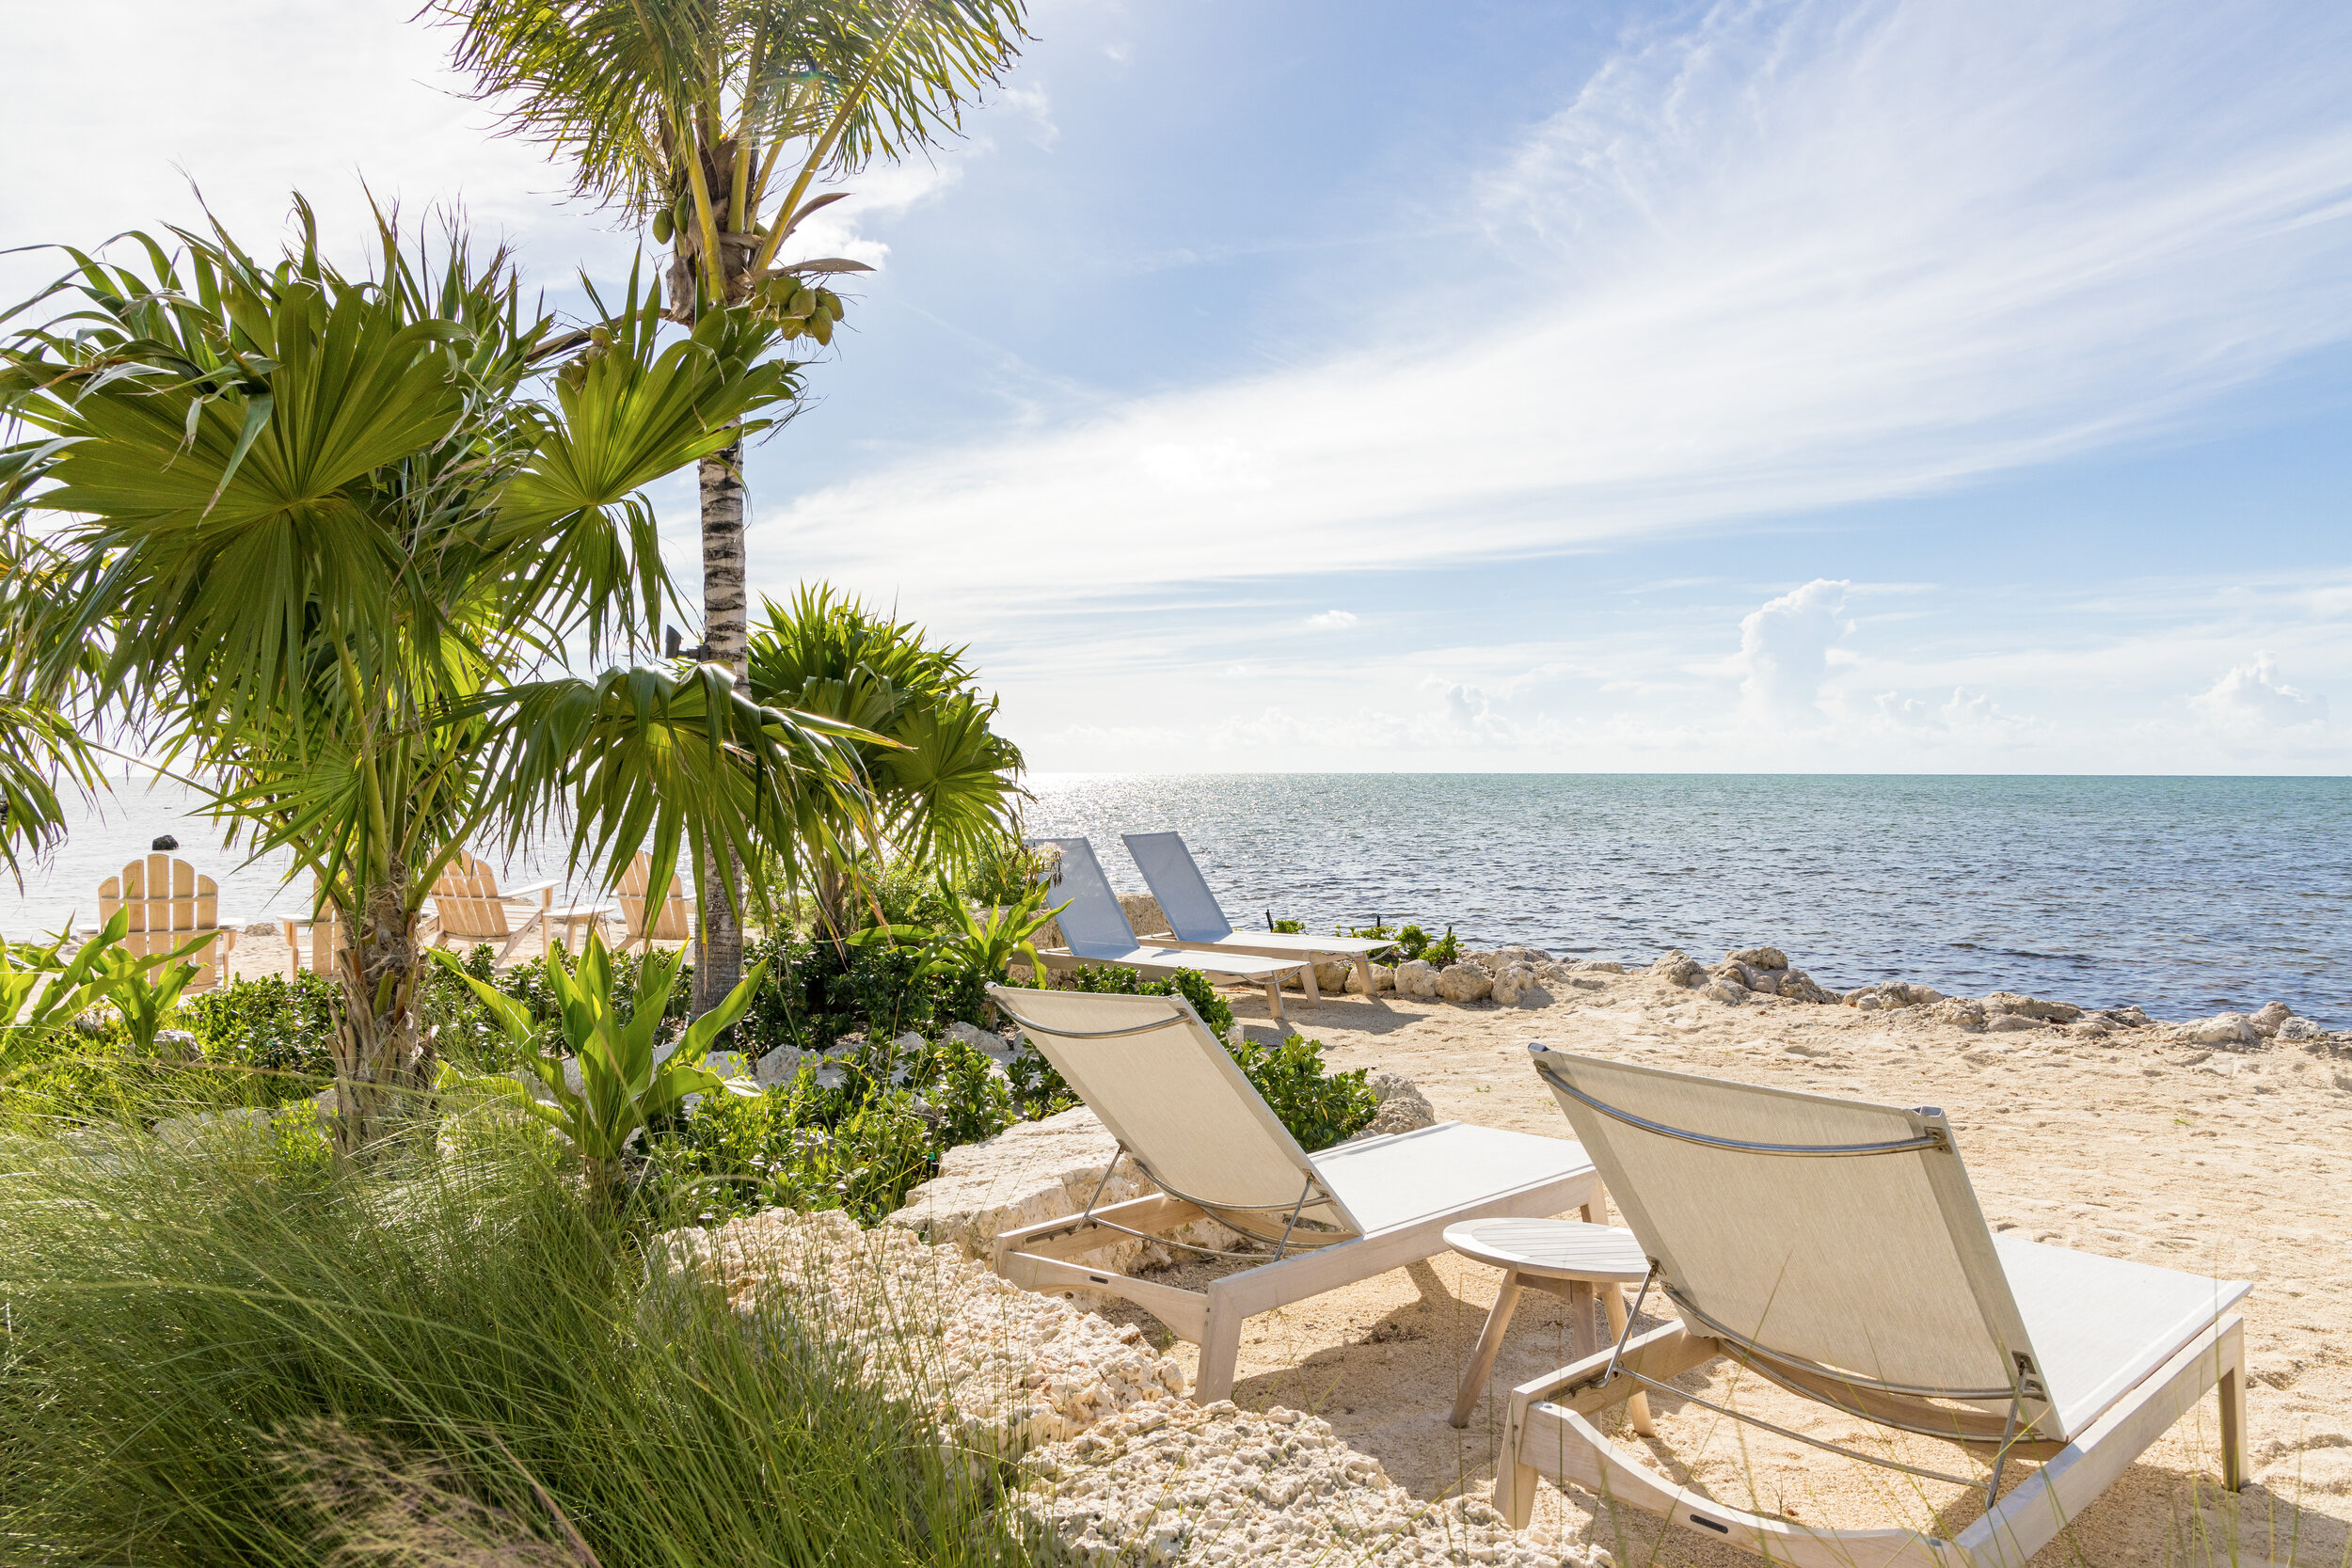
[2230, 1386]
[1220, 1349]
[1482, 1359]
[1364, 973]
[1308, 983]
[1274, 1002]
[1515, 1482]
[1637, 1406]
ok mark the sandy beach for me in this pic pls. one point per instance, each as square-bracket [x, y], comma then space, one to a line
[2236, 1164]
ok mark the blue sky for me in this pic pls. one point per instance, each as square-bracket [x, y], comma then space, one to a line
[1940, 387]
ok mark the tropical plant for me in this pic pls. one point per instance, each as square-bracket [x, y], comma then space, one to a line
[624, 1083]
[983, 946]
[1320, 1107]
[42, 992]
[945, 789]
[1003, 868]
[711, 119]
[321, 529]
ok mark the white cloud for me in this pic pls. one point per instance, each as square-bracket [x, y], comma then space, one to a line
[1799, 256]
[1785, 649]
[2252, 698]
[1331, 619]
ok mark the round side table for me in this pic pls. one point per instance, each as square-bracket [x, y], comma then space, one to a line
[1564, 1257]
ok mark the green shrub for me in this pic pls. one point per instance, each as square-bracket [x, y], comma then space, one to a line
[275, 1029]
[211, 1358]
[1446, 951]
[1190, 984]
[1320, 1108]
[1006, 871]
[799, 1146]
[1411, 943]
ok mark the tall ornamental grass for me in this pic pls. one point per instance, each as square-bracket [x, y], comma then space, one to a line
[218, 1355]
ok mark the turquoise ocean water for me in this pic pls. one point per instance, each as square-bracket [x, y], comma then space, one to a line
[2184, 895]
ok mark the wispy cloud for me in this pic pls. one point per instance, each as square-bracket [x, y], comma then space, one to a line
[1331, 619]
[1795, 256]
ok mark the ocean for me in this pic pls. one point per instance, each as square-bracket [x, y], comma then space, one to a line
[2187, 897]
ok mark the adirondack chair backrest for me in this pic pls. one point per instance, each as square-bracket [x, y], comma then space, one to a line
[466, 900]
[670, 921]
[327, 940]
[169, 903]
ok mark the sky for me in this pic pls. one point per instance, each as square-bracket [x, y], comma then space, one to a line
[1936, 388]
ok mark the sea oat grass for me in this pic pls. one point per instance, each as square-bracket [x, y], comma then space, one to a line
[214, 1356]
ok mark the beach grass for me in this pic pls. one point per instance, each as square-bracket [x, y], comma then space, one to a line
[210, 1354]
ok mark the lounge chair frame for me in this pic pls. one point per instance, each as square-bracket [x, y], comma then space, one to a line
[1158, 852]
[1324, 1255]
[1549, 1430]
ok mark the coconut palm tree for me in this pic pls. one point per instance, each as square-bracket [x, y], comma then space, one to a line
[711, 120]
[332, 541]
[946, 787]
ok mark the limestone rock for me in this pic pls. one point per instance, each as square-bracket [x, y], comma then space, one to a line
[1382, 976]
[2300, 1029]
[1601, 966]
[2129, 1018]
[2221, 1029]
[783, 1063]
[2033, 1007]
[1464, 982]
[1759, 958]
[1961, 1012]
[1000, 1369]
[1889, 994]
[1522, 955]
[1996, 1023]
[1726, 991]
[2271, 1017]
[1677, 968]
[1142, 911]
[1332, 975]
[1797, 986]
[1403, 1107]
[1515, 985]
[1417, 978]
[1037, 1171]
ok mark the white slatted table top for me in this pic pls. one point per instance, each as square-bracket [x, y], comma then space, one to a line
[1555, 1249]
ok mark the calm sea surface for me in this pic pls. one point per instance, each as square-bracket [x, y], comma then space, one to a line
[2184, 895]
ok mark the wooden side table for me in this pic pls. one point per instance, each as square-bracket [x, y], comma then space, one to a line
[1564, 1257]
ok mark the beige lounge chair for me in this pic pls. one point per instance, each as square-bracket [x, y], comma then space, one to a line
[650, 919]
[170, 904]
[470, 907]
[1836, 1248]
[1095, 931]
[1172, 1096]
[1197, 920]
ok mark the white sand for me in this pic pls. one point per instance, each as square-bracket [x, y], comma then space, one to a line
[2238, 1164]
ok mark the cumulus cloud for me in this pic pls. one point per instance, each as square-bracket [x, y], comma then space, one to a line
[1331, 619]
[2251, 697]
[1785, 649]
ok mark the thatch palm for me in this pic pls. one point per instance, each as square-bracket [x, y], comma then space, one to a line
[947, 788]
[712, 119]
[318, 530]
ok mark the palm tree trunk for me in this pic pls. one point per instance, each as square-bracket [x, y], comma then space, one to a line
[381, 1064]
[719, 937]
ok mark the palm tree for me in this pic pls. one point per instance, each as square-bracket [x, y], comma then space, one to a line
[947, 785]
[711, 119]
[317, 536]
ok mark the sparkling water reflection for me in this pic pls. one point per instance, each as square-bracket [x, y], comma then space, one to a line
[2185, 896]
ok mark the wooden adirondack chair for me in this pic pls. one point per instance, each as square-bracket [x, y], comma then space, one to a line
[326, 939]
[169, 904]
[649, 920]
[470, 907]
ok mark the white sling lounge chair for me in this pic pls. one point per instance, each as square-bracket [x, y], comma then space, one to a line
[1179, 1105]
[1836, 1249]
[1197, 920]
[1096, 931]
